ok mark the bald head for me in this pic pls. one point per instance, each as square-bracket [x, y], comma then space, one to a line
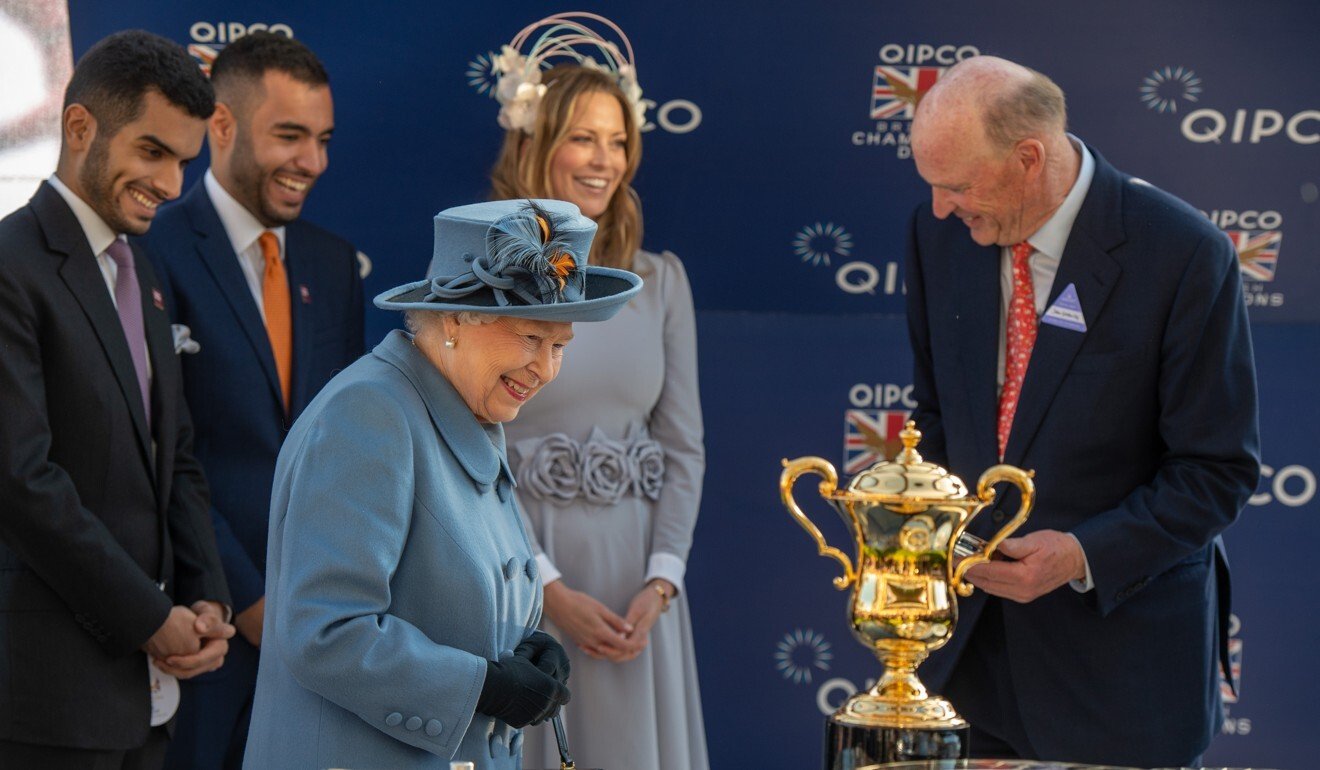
[1002, 101]
[990, 139]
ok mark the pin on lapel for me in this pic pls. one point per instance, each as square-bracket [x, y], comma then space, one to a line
[1066, 312]
[157, 299]
[305, 293]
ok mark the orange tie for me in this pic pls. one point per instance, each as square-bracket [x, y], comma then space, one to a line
[275, 301]
[1021, 337]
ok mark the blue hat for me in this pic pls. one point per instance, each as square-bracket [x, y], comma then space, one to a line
[520, 258]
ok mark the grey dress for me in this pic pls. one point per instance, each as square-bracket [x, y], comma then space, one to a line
[609, 462]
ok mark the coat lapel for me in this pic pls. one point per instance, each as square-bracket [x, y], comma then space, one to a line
[164, 386]
[297, 267]
[217, 254]
[1087, 266]
[81, 273]
[975, 272]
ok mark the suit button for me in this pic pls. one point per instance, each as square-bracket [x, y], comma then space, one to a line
[433, 727]
[394, 719]
[510, 568]
[413, 723]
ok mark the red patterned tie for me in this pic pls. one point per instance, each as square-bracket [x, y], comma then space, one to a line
[1021, 336]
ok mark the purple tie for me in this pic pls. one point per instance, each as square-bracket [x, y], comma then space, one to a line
[128, 296]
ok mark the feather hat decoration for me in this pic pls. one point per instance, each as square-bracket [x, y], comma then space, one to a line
[562, 36]
[520, 258]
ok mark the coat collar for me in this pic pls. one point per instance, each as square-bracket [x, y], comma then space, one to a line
[479, 448]
[1087, 266]
[81, 273]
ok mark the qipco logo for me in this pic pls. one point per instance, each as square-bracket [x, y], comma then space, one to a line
[1251, 126]
[1291, 485]
[677, 116]
[229, 31]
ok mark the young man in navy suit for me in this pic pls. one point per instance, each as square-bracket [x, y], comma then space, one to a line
[275, 306]
[110, 584]
[1070, 319]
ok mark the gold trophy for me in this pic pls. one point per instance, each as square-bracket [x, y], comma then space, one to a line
[906, 517]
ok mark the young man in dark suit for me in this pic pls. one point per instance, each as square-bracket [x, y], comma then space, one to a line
[275, 305]
[1072, 320]
[110, 583]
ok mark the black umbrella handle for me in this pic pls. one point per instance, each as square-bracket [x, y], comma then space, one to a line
[565, 759]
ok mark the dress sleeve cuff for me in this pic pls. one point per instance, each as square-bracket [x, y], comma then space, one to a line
[547, 568]
[1082, 586]
[666, 566]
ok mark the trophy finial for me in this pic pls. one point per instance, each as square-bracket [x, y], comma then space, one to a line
[910, 437]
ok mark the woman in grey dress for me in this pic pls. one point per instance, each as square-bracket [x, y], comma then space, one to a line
[609, 461]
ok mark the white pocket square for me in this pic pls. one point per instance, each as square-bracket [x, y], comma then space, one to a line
[183, 341]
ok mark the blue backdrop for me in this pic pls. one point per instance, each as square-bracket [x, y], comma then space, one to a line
[777, 167]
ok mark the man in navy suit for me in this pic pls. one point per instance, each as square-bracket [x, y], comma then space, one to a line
[1076, 321]
[110, 584]
[275, 305]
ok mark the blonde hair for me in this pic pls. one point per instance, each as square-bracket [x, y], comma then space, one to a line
[522, 169]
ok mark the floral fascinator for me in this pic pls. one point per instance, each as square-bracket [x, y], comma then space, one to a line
[520, 258]
[518, 66]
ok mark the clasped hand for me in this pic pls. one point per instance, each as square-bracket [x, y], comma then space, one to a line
[193, 640]
[597, 630]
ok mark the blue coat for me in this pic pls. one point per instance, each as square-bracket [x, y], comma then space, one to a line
[397, 566]
[239, 416]
[1142, 432]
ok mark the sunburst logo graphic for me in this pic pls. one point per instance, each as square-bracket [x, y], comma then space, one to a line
[817, 243]
[1163, 88]
[801, 652]
[481, 74]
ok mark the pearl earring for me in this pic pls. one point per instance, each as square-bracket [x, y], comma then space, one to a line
[451, 343]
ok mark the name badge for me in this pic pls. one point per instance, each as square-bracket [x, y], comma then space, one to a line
[1066, 312]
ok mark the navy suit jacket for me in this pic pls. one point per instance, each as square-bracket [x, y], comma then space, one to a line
[231, 383]
[98, 505]
[1142, 432]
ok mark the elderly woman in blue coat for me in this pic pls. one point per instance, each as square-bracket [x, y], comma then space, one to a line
[402, 592]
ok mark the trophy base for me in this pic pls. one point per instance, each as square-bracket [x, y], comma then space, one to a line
[858, 747]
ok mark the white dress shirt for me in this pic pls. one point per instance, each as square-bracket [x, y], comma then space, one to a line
[244, 231]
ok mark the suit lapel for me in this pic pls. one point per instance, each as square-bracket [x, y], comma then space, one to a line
[82, 274]
[164, 387]
[1087, 266]
[298, 268]
[975, 272]
[217, 254]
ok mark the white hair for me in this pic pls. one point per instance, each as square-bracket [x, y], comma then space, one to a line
[416, 320]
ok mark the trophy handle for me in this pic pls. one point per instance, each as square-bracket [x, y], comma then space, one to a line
[829, 483]
[985, 491]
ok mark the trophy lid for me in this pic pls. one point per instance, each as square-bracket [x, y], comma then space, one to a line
[907, 483]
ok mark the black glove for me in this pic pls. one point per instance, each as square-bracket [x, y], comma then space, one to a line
[518, 693]
[545, 652]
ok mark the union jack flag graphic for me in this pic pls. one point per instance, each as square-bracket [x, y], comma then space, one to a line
[871, 435]
[204, 55]
[1258, 252]
[1235, 662]
[896, 90]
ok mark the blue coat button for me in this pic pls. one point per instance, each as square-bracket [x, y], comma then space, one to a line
[413, 723]
[394, 719]
[515, 745]
[532, 570]
[510, 568]
[497, 746]
[433, 727]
